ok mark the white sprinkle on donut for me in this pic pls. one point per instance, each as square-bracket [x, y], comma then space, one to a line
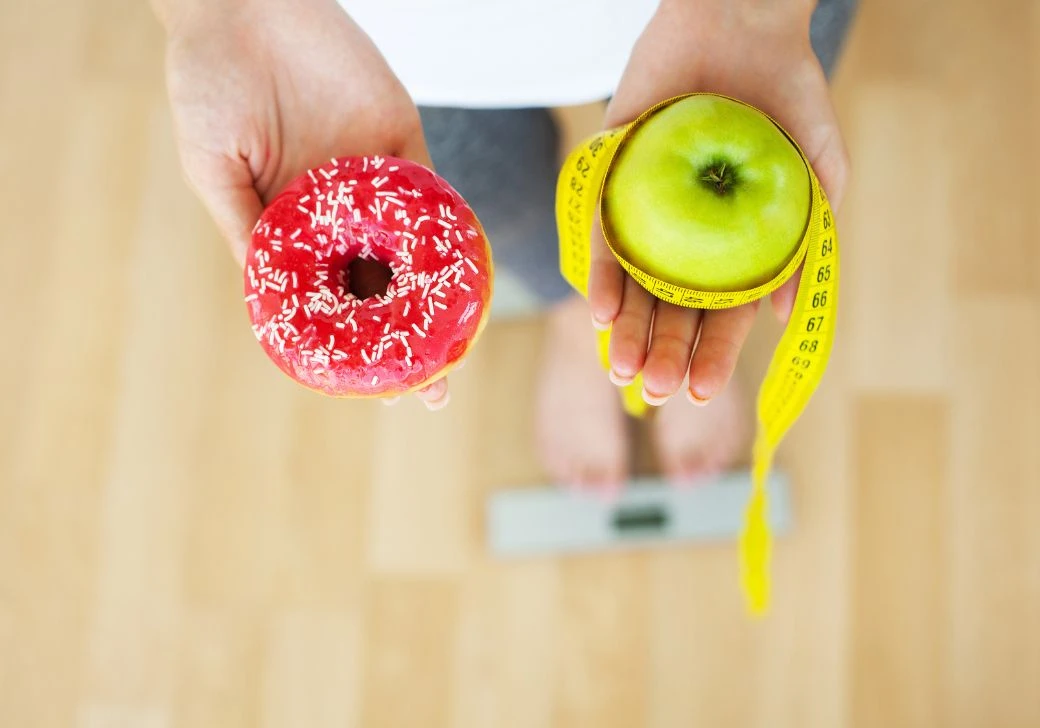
[298, 297]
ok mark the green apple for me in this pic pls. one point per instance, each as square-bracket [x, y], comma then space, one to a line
[709, 194]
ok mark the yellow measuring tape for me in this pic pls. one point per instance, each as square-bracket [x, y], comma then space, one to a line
[799, 360]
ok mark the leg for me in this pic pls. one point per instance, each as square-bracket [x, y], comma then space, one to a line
[504, 162]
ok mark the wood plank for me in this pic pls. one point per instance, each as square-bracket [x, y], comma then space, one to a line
[410, 635]
[895, 236]
[420, 512]
[312, 670]
[508, 632]
[220, 667]
[603, 674]
[899, 614]
[188, 538]
[158, 407]
[993, 652]
[995, 183]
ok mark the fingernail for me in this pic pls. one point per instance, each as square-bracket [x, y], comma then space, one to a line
[618, 379]
[440, 403]
[653, 400]
[694, 399]
[390, 401]
[599, 325]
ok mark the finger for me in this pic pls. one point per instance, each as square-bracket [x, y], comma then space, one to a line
[606, 280]
[630, 332]
[225, 187]
[235, 211]
[820, 135]
[823, 144]
[435, 396]
[783, 297]
[671, 345]
[722, 336]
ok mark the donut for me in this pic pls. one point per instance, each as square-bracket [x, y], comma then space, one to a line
[368, 277]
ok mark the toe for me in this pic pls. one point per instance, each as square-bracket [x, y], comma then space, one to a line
[691, 470]
[695, 445]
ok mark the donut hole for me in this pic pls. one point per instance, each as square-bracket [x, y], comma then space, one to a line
[366, 278]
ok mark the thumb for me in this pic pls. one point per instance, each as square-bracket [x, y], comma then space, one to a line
[414, 148]
[816, 130]
[814, 125]
[225, 187]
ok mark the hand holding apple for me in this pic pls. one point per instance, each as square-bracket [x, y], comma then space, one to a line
[760, 55]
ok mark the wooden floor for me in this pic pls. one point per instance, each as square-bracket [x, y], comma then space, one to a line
[187, 539]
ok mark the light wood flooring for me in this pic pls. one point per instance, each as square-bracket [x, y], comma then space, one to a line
[188, 539]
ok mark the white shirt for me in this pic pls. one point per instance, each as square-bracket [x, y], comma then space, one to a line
[504, 53]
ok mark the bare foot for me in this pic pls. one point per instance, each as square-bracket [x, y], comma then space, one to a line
[580, 425]
[694, 443]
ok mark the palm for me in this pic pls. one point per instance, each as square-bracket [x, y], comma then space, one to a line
[258, 101]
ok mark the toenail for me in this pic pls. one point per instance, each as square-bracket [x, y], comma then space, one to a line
[712, 473]
[653, 399]
[694, 399]
[619, 380]
[688, 482]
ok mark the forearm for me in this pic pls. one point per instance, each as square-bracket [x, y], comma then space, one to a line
[175, 14]
[767, 16]
[750, 46]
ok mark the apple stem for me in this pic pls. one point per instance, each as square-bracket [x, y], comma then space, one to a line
[720, 177]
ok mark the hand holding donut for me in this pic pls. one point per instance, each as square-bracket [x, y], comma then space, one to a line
[263, 90]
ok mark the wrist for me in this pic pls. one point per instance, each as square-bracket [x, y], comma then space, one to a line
[756, 16]
[176, 16]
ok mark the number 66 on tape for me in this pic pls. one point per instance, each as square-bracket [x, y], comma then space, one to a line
[800, 357]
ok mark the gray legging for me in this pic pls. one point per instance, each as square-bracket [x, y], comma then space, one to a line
[504, 162]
